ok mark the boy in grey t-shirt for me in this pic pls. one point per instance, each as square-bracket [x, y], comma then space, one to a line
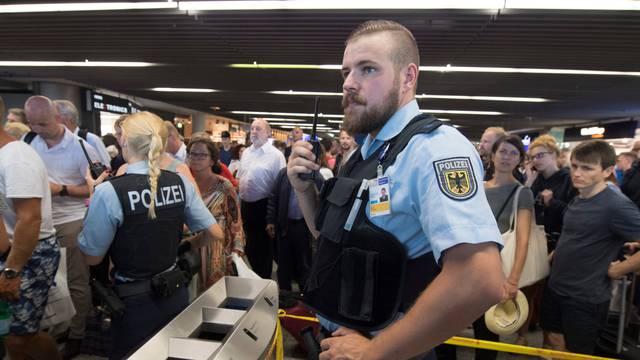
[596, 225]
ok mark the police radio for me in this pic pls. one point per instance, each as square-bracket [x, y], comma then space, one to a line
[96, 168]
[315, 142]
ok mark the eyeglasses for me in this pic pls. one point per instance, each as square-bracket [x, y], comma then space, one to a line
[199, 156]
[540, 155]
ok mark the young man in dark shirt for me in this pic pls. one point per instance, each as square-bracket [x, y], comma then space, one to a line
[596, 225]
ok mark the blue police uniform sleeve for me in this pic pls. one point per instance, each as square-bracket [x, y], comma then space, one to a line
[197, 216]
[453, 208]
[103, 218]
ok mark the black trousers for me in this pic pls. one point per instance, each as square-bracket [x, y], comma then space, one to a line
[259, 246]
[144, 315]
[294, 255]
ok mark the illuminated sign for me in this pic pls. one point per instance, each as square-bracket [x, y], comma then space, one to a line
[112, 104]
[590, 131]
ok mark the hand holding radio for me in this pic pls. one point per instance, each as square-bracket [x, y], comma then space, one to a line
[316, 150]
[95, 168]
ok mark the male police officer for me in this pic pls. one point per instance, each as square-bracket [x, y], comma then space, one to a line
[373, 259]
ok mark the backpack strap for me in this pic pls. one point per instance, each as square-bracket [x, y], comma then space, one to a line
[28, 138]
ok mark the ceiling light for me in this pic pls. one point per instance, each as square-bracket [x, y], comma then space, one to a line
[340, 4]
[98, 6]
[335, 121]
[279, 119]
[422, 96]
[298, 124]
[462, 112]
[305, 93]
[191, 90]
[321, 115]
[255, 65]
[85, 63]
[482, 69]
[574, 4]
[450, 68]
[482, 98]
[411, 5]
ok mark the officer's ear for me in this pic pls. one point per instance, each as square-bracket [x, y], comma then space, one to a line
[410, 77]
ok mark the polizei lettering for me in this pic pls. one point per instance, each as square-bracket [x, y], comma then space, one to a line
[453, 164]
[166, 195]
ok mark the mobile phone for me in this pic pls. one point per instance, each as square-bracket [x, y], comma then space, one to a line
[96, 168]
[315, 143]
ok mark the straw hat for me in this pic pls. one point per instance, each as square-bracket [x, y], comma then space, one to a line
[507, 317]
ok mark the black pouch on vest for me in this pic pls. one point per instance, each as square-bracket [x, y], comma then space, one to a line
[167, 283]
[338, 193]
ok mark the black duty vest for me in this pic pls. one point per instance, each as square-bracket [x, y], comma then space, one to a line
[362, 278]
[144, 247]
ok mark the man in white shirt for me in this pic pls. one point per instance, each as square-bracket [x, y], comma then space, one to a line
[29, 265]
[259, 166]
[67, 115]
[175, 145]
[66, 167]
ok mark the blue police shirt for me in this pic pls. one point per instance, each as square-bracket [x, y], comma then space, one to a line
[105, 216]
[436, 190]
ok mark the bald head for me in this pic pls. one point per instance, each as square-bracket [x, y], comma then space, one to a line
[41, 116]
[39, 106]
[260, 132]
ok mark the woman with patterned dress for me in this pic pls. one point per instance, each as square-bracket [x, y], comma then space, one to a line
[222, 201]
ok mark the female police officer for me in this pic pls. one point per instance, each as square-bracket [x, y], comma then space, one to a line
[139, 217]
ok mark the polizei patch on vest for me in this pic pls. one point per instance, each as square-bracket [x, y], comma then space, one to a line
[456, 177]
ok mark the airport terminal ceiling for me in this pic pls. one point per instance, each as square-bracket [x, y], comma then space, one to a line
[193, 49]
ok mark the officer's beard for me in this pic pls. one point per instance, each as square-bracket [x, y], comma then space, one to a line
[371, 119]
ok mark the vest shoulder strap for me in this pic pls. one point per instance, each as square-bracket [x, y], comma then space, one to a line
[421, 124]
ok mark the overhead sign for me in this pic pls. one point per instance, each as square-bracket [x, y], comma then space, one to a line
[590, 131]
[112, 104]
[617, 130]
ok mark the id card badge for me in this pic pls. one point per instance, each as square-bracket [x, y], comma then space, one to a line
[379, 197]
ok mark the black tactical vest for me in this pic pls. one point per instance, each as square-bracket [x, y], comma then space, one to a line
[144, 247]
[361, 278]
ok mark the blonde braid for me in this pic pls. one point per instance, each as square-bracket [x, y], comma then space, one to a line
[143, 133]
[155, 152]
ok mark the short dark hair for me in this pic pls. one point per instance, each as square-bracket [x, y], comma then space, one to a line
[513, 140]
[235, 151]
[211, 147]
[225, 134]
[405, 44]
[597, 152]
[630, 154]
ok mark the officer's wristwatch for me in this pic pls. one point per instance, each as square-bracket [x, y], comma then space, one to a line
[64, 191]
[10, 273]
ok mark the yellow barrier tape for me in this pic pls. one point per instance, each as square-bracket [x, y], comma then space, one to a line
[517, 349]
[282, 313]
[276, 344]
[490, 345]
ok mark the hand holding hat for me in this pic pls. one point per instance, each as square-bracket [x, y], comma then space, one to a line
[508, 316]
